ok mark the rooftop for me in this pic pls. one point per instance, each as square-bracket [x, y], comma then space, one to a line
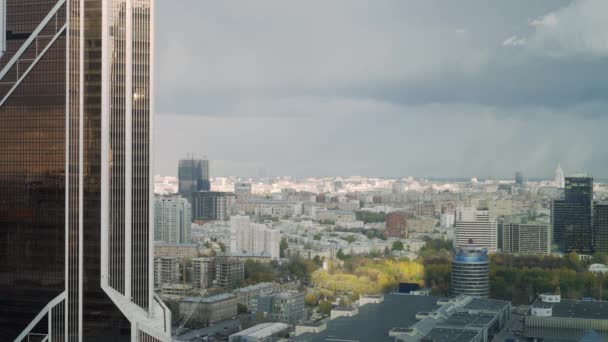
[217, 298]
[262, 330]
[569, 308]
[450, 335]
[255, 287]
[374, 321]
[491, 305]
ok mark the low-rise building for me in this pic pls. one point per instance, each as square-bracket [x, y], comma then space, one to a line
[550, 311]
[282, 306]
[213, 309]
[245, 294]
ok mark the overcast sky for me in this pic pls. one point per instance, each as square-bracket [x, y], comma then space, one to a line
[385, 88]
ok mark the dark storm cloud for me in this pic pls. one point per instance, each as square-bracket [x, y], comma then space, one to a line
[382, 88]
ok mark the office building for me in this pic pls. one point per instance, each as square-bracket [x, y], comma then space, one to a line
[571, 217]
[242, 191]
[516, 235]
[396, 225]
[281, 306]
[249, 237]
[166, 271]
[192, 176]
[75, 172]
[471, 272]
[211, 205]
[475, 228]
[245, 294]
[172, 219]
[600, 227]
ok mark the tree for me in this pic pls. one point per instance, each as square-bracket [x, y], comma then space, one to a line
[282, 247]
[310, 299]
[397, 245]
[349, 238]
[340, 254]
[325, 307]
[317, 237]
[318, 261]
[222, 247]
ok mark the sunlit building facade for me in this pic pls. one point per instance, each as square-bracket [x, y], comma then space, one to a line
[76, 207]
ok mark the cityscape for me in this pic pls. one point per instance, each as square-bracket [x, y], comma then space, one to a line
[266, 171]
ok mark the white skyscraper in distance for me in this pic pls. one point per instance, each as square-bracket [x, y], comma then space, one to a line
[475, 228]
[172, 219]
[253, 238]
[560, 180]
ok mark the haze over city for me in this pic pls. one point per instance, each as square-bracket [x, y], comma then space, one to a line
[390, 89]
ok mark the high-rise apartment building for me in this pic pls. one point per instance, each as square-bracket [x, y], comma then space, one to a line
[76, 86]
[172, 219]
[192, 176]
[600, 227]
[571, 217]
[255, 238]
[517, 236]
[475, 228]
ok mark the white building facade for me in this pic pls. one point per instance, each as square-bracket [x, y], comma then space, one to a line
[475, 228]
[249, 237]
[172, 219]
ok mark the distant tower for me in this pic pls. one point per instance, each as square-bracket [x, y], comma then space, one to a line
[560, 181]
[519, 179]
[193, 176]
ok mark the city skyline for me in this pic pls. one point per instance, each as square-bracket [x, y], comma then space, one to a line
[455, 89]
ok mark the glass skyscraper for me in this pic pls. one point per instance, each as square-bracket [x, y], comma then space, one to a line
[193, 176]
[572, 216]
[75, 172]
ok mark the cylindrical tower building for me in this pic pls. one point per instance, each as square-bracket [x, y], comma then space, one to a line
[471, 272]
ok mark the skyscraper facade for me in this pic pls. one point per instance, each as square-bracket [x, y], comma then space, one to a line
[573, 217]
[75, 172]
[193, 176]
[600, 227]
[211, 205]
[172, 219]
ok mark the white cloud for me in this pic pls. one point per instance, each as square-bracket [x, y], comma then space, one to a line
[579, 29]
[514, 41]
